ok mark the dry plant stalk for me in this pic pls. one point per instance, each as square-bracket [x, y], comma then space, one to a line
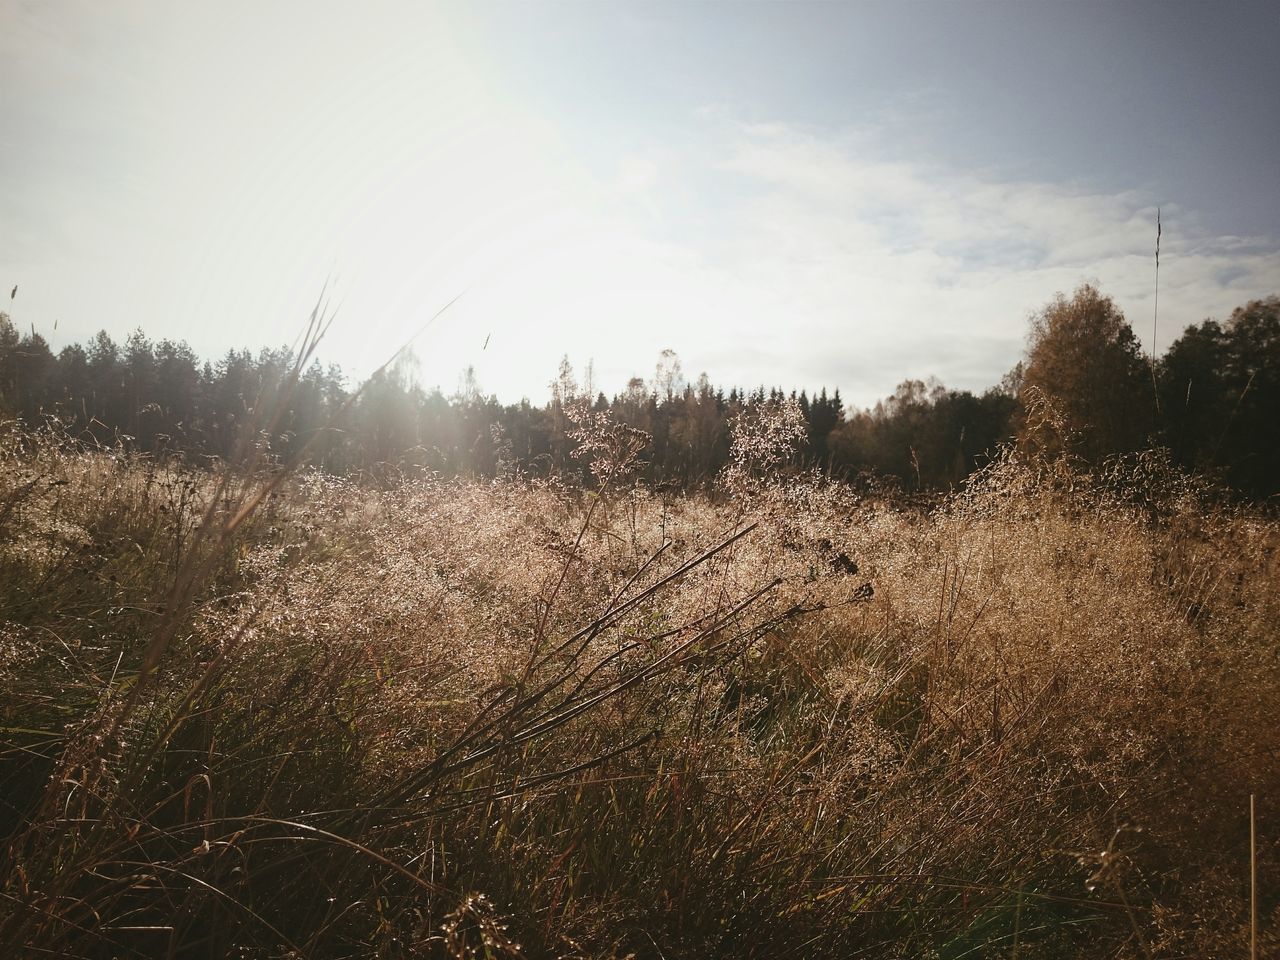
[276, 713]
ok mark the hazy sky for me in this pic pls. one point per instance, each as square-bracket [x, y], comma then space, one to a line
[784, 193]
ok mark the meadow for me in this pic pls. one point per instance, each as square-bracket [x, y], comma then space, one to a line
[254, 712]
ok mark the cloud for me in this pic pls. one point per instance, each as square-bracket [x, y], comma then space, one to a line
[814, 261]
[858, 271]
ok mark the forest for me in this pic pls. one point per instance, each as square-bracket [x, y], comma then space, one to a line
[1210, 400]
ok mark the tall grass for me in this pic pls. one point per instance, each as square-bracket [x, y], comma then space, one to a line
[471, 719]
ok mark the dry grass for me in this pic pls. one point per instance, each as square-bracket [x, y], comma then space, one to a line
[465, 719]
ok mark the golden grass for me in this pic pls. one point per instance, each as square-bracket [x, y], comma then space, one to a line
[475, 719]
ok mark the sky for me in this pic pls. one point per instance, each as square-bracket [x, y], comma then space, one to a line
[802, 195]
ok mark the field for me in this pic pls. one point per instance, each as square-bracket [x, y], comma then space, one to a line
[263, 715]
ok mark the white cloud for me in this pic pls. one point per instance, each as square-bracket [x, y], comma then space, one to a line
[832, 265]
[816, 262]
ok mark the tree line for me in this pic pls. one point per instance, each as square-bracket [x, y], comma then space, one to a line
[1084, 389]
